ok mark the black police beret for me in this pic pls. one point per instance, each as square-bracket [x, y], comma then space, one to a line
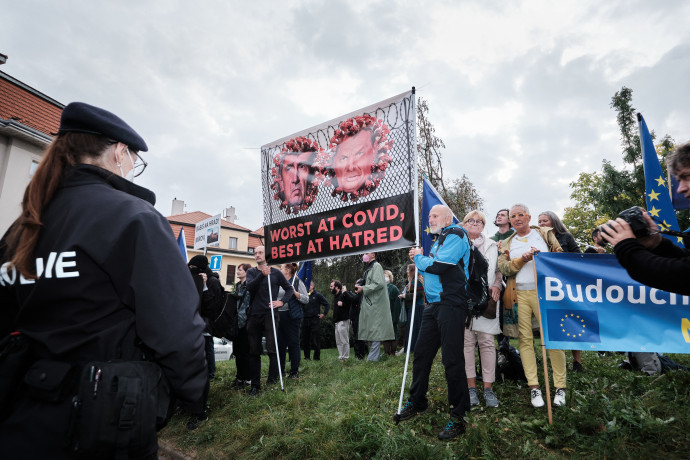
[84, 118]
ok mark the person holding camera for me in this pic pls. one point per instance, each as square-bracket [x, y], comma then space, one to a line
[639, 247]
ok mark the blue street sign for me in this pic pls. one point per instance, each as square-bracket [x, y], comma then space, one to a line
[214, 263]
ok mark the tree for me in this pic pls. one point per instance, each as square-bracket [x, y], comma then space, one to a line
[599, 196]
[429, 147]
[461, 195]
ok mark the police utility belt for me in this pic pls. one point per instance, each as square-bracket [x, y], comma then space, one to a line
[115, 406]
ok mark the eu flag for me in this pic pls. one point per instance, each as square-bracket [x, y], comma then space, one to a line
[430, 198]
[181, 244]
[304, 273]
[659, 204]
[573, 325]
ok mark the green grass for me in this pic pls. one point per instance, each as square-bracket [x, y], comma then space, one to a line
[338, 410]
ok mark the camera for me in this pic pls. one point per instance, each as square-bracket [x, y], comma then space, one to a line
[635, 217]
[360, 282]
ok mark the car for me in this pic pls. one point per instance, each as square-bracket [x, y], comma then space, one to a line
[222, 348]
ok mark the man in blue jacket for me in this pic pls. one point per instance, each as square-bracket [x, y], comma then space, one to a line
[443, 322]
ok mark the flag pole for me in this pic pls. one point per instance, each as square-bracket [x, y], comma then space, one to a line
[275, 334]
[543, 354]
[410, 320]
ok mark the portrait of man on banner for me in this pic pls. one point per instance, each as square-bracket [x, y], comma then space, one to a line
[360, 154]
[297, 173]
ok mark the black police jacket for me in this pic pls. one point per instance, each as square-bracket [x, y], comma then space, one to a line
[110, 275]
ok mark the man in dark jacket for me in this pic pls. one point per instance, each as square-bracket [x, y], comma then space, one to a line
[654, 260]
[311, 323]
[259, 322]
[341, 318]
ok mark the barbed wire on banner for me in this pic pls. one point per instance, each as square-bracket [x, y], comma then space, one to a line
[393, 175]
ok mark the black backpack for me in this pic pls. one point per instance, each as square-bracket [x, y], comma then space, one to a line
[477, 283]
[223, 321]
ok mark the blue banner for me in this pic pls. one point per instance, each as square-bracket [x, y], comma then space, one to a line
[659, 204]
[430, 198]
[588, 302]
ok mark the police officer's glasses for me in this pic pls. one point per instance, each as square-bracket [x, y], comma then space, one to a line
[139, 165]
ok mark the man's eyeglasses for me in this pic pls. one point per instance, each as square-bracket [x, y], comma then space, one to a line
[520, 214]
[139, 165]
[473, 221]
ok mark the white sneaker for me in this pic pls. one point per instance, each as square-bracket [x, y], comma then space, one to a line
[537, 400]
[559, 399]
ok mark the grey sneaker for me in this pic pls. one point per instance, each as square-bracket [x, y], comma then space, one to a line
[474, 398]
[490, 398]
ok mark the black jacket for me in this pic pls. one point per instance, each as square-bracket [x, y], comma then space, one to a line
[313, 308]
[667, 267]
[257, 285]
[340, 313]
[567, 242]
[110, 272]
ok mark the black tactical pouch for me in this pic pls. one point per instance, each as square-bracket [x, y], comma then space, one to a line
[48, 380]
[119, 407]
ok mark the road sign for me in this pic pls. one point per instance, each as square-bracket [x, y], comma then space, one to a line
[214, 263]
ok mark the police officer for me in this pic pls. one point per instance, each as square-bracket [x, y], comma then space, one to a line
[90, 271]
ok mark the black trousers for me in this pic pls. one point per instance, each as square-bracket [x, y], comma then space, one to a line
[257, 327]
[241, 352]
[311, 337]
[442, 326]
[360, 346]
[288, 338]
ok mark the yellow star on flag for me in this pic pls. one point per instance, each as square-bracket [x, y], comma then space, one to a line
[653, 196]
[660, 182]
[427, 230]
[664, 226]
[654, 212]
[680, 239]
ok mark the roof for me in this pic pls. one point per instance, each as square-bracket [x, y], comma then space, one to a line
[192, 218]
[23, 104]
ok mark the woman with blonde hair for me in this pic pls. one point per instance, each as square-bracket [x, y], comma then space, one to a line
[483, 329]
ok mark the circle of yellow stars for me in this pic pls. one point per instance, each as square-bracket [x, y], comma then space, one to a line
[654, 212]
[574, 334]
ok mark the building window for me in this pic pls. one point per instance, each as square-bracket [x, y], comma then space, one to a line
[230, 276]
[233, 243]
[32, 168]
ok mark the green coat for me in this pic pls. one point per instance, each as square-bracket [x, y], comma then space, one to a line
[396, 304]
[375, 323]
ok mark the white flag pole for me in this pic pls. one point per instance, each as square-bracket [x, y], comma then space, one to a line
[275, 334]
[414, 294]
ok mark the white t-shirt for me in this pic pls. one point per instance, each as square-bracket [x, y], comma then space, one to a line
[520, 245]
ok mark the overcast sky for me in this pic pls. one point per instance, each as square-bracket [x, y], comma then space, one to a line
[519, 91]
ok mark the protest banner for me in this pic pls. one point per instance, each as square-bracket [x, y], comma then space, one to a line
[207, 232]
[343, 187]
[588, 302]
